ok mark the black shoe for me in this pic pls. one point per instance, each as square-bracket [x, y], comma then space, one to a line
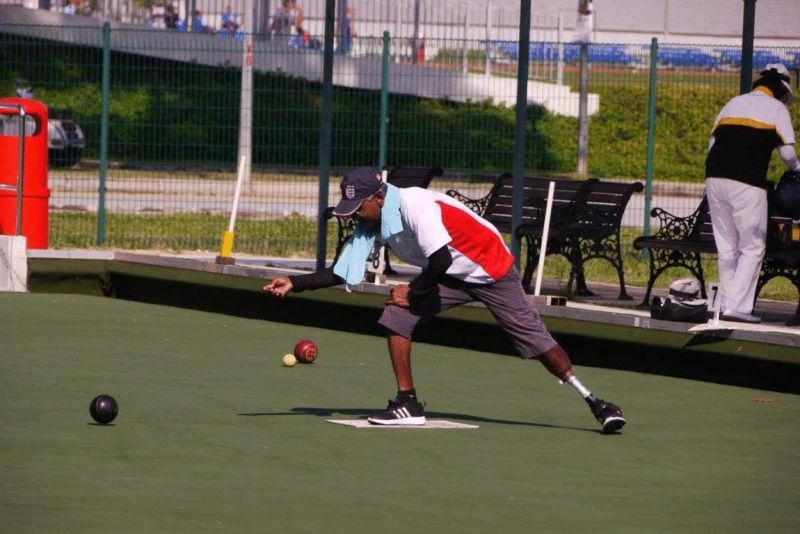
[609, 415]
[401, 411]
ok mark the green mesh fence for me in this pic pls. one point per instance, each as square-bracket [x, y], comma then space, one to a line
[174, 112]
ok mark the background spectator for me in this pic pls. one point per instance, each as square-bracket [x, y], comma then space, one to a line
[230, 24]
[282, 22]
[170, 17]
[348, 31]
[197, 22]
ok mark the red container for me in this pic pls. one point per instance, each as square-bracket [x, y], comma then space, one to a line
[35, 194]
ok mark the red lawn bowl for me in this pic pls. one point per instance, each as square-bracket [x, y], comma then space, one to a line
[306, 351]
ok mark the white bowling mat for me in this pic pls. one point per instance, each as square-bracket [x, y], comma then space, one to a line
[430, 424]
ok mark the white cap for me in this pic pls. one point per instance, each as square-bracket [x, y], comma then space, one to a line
[781, 69]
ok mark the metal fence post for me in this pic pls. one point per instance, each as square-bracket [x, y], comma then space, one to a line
[101, 199]
[748, 25]
[583, 114]
[651, 136]
[325, 135]
[384, 101]
[520, 122]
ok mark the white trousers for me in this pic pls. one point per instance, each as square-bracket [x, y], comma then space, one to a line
[739, 218]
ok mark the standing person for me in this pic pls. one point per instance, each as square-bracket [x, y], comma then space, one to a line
[348, 30]
[197, 21]
[282, 23]
[298, 16]
[170, 17]
[745, 132]
[463, 259]
[230, 24]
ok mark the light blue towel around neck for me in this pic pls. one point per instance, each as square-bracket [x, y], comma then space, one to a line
[352, 263]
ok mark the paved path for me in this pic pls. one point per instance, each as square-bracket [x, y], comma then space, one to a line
[153, 193]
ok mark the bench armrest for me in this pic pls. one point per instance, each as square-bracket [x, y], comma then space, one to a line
[478, 205]
[671, 227]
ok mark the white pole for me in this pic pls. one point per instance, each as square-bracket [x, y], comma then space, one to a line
[237, 192]
[226, 247]
[246, 101]
[545, 235]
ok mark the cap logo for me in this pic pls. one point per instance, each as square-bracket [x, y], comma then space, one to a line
[350, 191]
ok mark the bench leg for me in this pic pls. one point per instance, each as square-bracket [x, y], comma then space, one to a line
[531, 259]
[661, 260]
[344, 230]
[770, 270]
[646, 302]
[582, 250]
[608, 249]
[623, 294]
[387, 269]
[617, 263]
[655, 271]
[577, 274]
[795, 321]
[572, 251]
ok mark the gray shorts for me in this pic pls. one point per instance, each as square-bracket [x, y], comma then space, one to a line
[505, 299]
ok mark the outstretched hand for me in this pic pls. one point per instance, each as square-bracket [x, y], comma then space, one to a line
[398, 296]
[278, 287]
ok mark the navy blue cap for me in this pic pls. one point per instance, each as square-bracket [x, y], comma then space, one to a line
[357, 185]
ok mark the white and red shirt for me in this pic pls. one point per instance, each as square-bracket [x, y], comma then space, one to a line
[432, 220]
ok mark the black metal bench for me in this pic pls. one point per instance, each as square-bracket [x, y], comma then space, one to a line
[585, 221]
[680, 241]
[588, 228]
[401, 176]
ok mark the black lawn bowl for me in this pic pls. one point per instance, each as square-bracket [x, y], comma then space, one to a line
[103, 409]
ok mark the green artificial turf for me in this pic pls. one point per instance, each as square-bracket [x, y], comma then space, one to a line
[214, 434]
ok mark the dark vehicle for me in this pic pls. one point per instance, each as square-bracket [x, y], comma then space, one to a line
[65, 139]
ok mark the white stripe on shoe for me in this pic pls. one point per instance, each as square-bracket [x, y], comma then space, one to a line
[405, 421]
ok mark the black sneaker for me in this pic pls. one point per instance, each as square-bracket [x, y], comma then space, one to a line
[401, 411]
[609, 415]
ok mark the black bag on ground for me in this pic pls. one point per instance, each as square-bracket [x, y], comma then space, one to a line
[787, 195]
[684, 311]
